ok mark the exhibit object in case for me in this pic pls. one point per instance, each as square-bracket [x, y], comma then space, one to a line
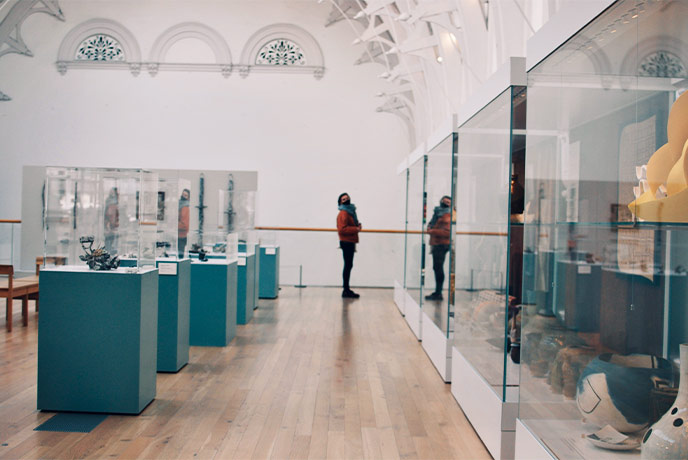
[606, 129]
[440, 220]
[488, 188]
[97, 340]
[414, 254]
[213, 310]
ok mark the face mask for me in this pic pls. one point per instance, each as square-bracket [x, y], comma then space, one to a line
[346, 202]
[444, 205]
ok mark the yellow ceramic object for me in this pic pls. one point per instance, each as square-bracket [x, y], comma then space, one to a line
[668, 166]
[659, 166]
[676, 180]
[677, 128]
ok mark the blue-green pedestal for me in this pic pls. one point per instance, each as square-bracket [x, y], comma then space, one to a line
[174, 295]
[246, 287]
[269, 272]
[213, 303]
[253, 249]
[97, 340]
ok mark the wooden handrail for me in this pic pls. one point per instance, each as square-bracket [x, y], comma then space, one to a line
[10, 221]
[316, 229]
[413, 232]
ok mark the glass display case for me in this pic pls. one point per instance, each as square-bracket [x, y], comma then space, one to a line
[489, 236]
[244, 209]
[605, 237]
[173, 215]
[440, 220]
[88, 211]
[488, 194]
[415, 246]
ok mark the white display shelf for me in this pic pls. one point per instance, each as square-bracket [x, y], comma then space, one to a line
[437, 346]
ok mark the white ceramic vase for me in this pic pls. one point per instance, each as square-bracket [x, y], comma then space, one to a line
[668, 437]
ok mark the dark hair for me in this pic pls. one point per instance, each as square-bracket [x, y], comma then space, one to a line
[339, 200]
[445, 196]
[187, 191]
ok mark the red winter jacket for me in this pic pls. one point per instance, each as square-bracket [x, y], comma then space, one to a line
[440, 232]
[347, 228]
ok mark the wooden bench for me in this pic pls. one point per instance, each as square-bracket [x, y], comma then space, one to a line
[15, 288]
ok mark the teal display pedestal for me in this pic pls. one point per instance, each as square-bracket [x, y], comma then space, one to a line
[253, 249]
[174, 296]
[97, 340]
[213, 313]
[269, 272]
[246, 287]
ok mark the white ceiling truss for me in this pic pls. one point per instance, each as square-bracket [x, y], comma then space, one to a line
[13, 15]
[434, 53]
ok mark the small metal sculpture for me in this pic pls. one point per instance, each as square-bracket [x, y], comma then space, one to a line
[99, 258]
[201, 208]
[198, 249]
[164, 245]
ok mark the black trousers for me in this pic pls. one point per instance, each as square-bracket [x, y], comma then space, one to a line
[439, 254]
[181, 243]
[348, 250]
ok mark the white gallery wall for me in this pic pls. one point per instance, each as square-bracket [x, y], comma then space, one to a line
[308, 139]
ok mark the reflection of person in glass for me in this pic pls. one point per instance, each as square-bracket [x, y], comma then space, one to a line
[183, 221]
[111, 220]
[348, 227]
[439, 229]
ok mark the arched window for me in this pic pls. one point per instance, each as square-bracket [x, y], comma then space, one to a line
[283, 48]
[99, 43]
[197, 32]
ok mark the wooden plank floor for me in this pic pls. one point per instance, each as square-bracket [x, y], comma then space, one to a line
[313, 376]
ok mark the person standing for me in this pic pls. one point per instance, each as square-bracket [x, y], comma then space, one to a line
[439, 229]
[348, 227]
[183, 222]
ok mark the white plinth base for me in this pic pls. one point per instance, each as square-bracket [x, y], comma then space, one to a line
[493, 419]
[413, 316]
[527, 445]
[399, 296]
[562, 439]
[437, 347]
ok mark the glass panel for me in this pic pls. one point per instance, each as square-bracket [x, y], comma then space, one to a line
[438, 185]
[148, 218]
[59, 216]
[490, 158]
[173, 215]
[415, 259]
[10, 235]
[605, 291]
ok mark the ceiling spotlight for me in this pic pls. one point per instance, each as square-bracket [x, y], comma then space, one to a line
[392, 50]
[403, 17]
[380, 94]
[359, 15]
[356, 41]
[384, 75]
[439, 59]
